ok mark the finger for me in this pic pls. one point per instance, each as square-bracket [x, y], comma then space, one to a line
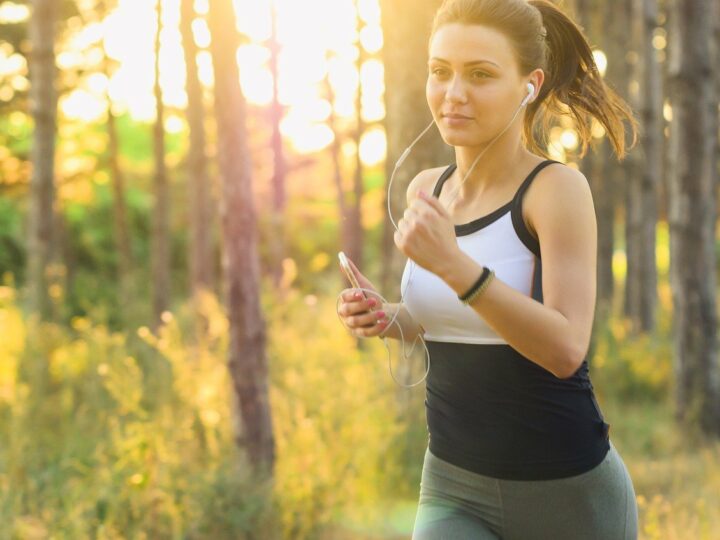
[354, 268]
[359, 332]
[404, 225]
[410, 213]
[353, 308]
[398, 238]
[358, 295]
[350, 295]
[423, 211]
[434, 203]
[365, 320]
[369, 327]
[362, 279]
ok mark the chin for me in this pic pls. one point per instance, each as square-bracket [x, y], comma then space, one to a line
[454, 138]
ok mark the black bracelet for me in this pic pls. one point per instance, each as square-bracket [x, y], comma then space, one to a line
[477, 284]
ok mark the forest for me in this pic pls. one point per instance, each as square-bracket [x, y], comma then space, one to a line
[177, 178]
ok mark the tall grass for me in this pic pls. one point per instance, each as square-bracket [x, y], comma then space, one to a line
[131, 434]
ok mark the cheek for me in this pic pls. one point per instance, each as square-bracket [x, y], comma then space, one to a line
[433, 93]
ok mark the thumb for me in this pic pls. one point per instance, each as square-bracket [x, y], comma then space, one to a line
[434, 202]
[362, 280]
[355, 270]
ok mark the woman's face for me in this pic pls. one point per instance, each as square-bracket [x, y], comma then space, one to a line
[472, 74]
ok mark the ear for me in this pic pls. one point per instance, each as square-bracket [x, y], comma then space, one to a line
[537, 77]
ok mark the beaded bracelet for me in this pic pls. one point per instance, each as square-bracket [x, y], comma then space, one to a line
[483, 275]
[478, 287]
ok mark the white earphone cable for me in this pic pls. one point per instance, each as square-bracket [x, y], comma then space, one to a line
[401, 159]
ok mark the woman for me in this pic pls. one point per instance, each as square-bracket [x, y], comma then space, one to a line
[504, 286]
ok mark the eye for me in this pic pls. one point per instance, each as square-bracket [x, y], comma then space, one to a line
[479, 74]
[437, 71]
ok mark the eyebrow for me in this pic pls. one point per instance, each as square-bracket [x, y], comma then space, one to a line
[466, 63]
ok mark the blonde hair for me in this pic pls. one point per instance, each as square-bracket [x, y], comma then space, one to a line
[544, 37]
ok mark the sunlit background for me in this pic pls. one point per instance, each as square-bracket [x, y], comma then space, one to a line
[318, 40]
[312, 48]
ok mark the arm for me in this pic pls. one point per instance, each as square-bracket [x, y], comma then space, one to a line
[554, 334]
[410, 328]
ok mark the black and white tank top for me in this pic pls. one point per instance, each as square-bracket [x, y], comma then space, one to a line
[489, 409]
[499, 240]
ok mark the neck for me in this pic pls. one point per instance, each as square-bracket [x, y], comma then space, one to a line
[492, 169]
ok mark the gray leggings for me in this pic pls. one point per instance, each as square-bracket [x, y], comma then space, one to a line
[457, 504]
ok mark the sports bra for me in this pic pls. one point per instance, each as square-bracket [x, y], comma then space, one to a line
[499, 240]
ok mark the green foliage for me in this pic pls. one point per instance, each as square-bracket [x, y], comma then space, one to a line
[12, 250]
[129, 434]
[115, 436]
[15, 133]
[335, 417]
[118, 435]
[637, 368]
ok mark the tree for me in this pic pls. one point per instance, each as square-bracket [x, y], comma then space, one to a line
[200, 208]
[43, 104]
[161, 212]
[406, 29]
[121, 230]
[692, 184]
[591, 15]
[336, 156]
[247, 349]
[353, 241]
[641, 212]
[277, 246]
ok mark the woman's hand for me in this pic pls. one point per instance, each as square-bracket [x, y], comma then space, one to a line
[357, 312]
[426, 234]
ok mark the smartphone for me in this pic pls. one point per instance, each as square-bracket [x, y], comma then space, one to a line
[345, 265]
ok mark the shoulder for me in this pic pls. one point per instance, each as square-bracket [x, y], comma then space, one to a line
[558, 193]
[425, 180]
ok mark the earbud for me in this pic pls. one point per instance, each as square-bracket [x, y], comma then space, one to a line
[531, 91]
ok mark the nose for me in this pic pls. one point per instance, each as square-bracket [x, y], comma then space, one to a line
[455, 92]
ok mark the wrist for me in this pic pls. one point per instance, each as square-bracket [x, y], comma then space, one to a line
[461, 272]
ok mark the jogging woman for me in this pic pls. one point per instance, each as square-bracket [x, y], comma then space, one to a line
[503, 288]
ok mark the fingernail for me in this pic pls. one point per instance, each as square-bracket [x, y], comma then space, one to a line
[372, 302]
[380, 314]
[421, 193]
[358, 295]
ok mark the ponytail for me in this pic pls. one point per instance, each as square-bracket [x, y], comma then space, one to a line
[574, 85]
[544, 37]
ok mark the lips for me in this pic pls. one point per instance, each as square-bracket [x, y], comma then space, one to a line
[457, 116]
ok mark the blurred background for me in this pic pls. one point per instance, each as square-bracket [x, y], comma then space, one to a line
[176, 178]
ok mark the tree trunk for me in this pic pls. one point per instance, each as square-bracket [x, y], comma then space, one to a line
[336, 156]
[200, 207]
[345, 220]
[692, 206]
[619, 49]
[354, 246]
[277, 246]
[120, 225]
[247, 355]
[602, 186]
[621, 61]
[405, 58]
[592, 15]
[161, 213]
[716, 42]
[43, 104]
[641, 211]
[335, 150]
